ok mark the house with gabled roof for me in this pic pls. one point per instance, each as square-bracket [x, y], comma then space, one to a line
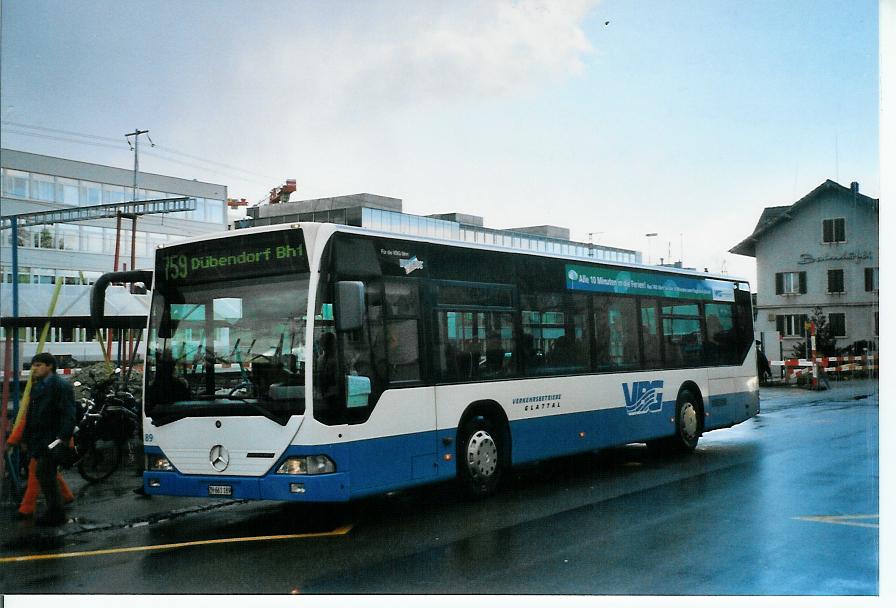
[820, 252]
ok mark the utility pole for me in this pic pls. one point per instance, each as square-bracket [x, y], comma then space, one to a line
[136, 147]
[136, 135]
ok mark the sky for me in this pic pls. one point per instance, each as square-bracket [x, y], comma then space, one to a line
[614, 118]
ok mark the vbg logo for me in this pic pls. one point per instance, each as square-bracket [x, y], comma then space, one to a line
[643, 397]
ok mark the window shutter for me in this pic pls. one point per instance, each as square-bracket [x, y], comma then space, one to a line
[802, 329]
[827, 230]
[835, 281]
[869, 279]
[802, 282]
[779, 324]
[840, 230]
[779, 283]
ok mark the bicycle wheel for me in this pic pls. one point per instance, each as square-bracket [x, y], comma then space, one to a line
[100, 460]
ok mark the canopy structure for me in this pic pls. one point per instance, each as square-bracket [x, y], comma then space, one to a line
[124, 310]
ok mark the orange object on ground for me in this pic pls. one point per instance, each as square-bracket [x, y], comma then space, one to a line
[32, 490]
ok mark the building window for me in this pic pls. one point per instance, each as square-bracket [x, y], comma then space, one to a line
[837, 323]
[67, 237]
[872, 279]
[15, 183]
[113, 194]
[44, 238]
[834, 230]
[91, 193]
[92, 239]
[43, 187]
[791, 326]
[67, 190]
[835, 281]
[790, 283]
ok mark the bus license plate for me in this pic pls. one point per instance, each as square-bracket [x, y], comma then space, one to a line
[220, 491]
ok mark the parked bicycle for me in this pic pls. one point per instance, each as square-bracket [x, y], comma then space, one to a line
[107, 429]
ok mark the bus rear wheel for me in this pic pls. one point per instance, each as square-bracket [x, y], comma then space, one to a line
[480, 462]
[687, 423]
[688, 413]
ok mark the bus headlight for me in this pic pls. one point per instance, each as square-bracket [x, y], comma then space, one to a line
[307, 465]
[157, 462]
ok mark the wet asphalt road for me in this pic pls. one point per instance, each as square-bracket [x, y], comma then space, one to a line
[784, 504]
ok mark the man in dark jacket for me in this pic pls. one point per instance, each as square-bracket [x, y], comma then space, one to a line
[49, 425]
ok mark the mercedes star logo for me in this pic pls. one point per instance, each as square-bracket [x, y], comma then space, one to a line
[219, 458]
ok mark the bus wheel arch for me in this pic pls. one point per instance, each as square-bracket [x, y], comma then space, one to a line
[688, 418]
[483, 448]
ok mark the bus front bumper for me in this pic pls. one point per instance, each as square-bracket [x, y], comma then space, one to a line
[330, 487]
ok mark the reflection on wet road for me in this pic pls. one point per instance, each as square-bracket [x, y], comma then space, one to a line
[785, 504]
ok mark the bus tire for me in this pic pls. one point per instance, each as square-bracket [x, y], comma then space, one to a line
[480, 460]
[688, 428]
[688, 414]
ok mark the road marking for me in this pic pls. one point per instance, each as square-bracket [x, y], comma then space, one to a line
[341, 531]
[844, 520]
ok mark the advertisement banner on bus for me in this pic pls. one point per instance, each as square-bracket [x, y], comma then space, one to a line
[627, 282]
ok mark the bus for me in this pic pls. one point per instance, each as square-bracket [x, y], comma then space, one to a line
[323, 363]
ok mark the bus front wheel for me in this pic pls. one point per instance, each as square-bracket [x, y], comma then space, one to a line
[479, 458]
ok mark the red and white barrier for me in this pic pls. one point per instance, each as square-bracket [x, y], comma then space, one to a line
[795, 368]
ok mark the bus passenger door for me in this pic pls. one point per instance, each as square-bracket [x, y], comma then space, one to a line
[397, 441]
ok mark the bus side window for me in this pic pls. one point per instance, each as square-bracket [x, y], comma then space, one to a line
[475, 345]
[650, 334]
[682, 333]
[744, 329]
[403, 350]
[556, 337]
[367, 355]
[401, 300]
[616, 333]
[721, 345]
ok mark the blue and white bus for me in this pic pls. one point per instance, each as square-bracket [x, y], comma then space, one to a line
[319, 362]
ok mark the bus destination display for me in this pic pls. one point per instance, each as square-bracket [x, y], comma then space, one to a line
[233, 258]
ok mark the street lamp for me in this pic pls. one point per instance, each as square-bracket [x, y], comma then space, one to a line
[650, 235]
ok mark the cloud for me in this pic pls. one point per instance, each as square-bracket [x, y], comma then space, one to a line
[422, 53]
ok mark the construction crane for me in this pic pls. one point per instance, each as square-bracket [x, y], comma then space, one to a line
[280, 194]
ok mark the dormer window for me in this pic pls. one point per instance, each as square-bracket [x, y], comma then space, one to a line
[833, 230]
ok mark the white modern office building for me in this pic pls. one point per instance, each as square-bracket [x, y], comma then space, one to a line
[386, 213]
[820, 252]
[78, 253]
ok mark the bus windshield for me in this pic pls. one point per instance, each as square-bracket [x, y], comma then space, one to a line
[234, 347]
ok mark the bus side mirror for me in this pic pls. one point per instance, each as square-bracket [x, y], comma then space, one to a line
[349, 309]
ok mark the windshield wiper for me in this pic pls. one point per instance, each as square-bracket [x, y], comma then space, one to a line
[168, 413]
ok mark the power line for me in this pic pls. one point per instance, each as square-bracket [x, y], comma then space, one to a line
[217, 171]
[246, 172]
[66, 139]
[212, 162]
[64, 132]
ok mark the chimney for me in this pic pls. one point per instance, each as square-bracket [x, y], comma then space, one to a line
[854, 187]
